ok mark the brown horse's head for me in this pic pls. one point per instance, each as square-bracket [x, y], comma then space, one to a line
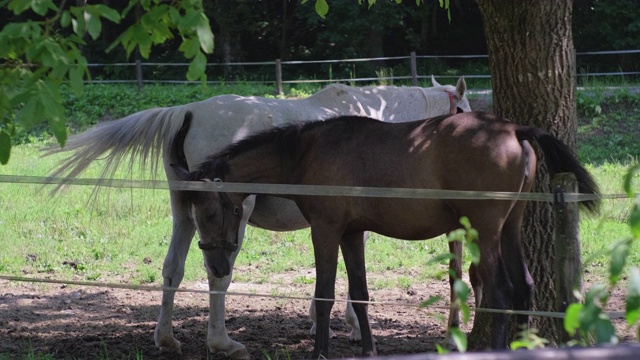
[217, 217]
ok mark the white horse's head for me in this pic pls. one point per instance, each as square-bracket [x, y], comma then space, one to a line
[460, 101]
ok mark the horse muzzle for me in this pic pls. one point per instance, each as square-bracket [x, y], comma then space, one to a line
[219, 244]
[216, 256]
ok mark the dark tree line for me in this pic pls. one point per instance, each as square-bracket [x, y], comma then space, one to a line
[247, 31]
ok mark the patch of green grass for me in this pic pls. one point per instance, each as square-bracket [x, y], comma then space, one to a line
[608, 127]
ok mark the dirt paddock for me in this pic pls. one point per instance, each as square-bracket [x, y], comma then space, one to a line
[81, 322]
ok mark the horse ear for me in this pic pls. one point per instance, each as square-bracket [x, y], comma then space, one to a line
[461, 87]
[433, 81]
[181, 171]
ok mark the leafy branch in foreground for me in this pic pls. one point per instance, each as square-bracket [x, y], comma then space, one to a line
[587, 320]
[467, 236]
[42, 52]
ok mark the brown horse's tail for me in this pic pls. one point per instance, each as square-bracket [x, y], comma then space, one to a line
[560, 158]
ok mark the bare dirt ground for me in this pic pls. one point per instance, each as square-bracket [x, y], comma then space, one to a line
[78, 322]
[86, 322]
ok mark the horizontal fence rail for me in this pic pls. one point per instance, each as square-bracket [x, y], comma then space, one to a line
[414, 74]
[318, 190]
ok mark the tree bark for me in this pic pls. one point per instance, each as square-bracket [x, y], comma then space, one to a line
[531, 55]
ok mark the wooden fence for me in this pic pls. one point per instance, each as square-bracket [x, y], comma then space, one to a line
[414, 75]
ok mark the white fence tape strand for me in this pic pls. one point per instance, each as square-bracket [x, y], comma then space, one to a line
[317, 190]
[612, 315]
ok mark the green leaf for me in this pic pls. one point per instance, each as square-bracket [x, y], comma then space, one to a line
[5, 147]
[430, 301]
[441, 350]
[519, 344]
[190, 20]
[474, 252]
[42, 7]
[572, 318]
[94, 25]
[142, 39]
[634, 219]
[461, 290]
[31, 113]
[440, 257]
[633, 297]
[465, 222]
[457, 235]
[619, 254]
[18, 7]
[322, 8]
[75, 79]
[459, 339]
[197, 67]
[107, 13]
[125, 39]
[605, 332]
[56, 123]
[65, 19]
[205, 36]
[190, 47]
[597, 292]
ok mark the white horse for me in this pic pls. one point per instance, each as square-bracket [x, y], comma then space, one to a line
[216, 123]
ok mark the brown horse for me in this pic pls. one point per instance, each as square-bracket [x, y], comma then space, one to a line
[469, 151]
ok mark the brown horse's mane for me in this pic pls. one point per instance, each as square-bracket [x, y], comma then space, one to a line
[285, 138]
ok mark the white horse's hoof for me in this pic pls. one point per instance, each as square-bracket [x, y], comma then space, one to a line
[239, 354]
[355, 336]
[231, 349]
[170, 346]
[312, 332]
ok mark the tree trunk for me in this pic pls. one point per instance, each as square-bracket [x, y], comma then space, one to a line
[530, 46]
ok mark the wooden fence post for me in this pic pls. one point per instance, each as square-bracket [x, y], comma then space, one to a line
[278, 77]
[567, 263]
[414, 69]
[139, 74]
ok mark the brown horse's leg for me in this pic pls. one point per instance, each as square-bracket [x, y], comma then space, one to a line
[352, 246]
[325, 248]
[455, 272]
[476, 283]
[511, 248]
[496, 284]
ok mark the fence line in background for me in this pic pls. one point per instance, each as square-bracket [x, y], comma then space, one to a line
[278, 64]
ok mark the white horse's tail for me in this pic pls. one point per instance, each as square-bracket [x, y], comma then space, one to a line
[142, 135]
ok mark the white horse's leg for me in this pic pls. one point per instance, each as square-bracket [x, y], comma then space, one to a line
[173, 272]
[352, 320]
[313, 316]
[217, 338]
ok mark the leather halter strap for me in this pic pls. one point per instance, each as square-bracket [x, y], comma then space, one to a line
[220, 243]
[452, 102]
